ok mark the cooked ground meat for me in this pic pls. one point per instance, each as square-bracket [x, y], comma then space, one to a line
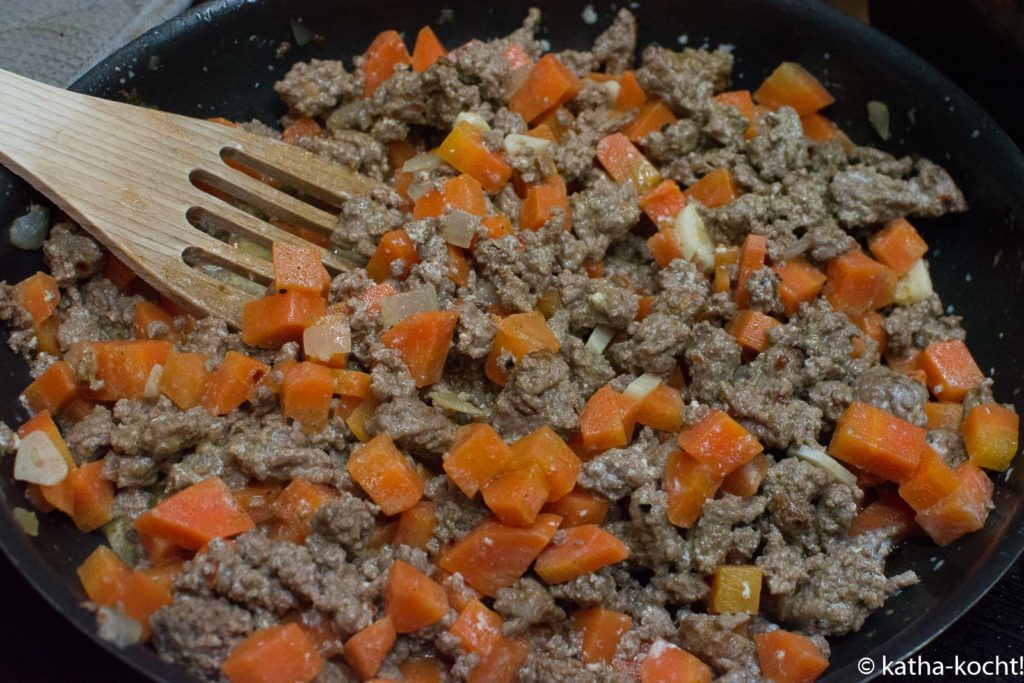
[320, 551]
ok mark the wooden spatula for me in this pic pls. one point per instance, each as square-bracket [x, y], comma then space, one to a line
[129, 176]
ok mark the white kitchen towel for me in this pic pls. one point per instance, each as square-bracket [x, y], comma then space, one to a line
[55, 41]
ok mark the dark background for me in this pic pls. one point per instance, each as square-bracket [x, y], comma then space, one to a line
[960, 38]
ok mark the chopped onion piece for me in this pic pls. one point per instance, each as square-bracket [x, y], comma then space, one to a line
[613, 89]
[915, 285]
[878, 115]
[27, 520]
[327, 339]
[116, 627]
[30, 230]
[397, 307]
[473, 119]
[825, 462]
[599, 339]
[458, 227]
[523, 145]
[693, 239]
[452, 402]
[641, 386]
[417, 190]
[427, 161]
[38, 461]
[152, 389]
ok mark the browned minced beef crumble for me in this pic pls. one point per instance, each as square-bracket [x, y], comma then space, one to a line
[807, 198]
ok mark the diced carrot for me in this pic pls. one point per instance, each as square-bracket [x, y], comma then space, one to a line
[789, 657]
[627, 164]
[109, 582]
[123, 366]
[663, 203]
[631, 95]
[607, 420]
[386, 475]
[476, 457]
[542, 200]
[356, 420]
[428, 49]
[411, 599]
[352, 383]
[750, 329]
[366, 650]
[688, 484]
[118, 272]
[719, 442]
[664, 247]
[500, 664]
[498, 226]
[821, 129]
[46, 335]
[295, 507]
[258, 500]
[39, 295]
[394, 258]
[961, 512]
[651, 117]
[399, 152]
[857, 283]
[159, 550]
[600, 630]
[476, 628]
[421, 670]
[870, 323]
[53, 390]
[273, 320]
[93, 497]
[577, 551]
[233, 383]
[34, 496]
[148, 313]
[595, 269]
[306, 395]
[465, 192]
[298, 269]
[544, 448]
[735, 589]
[278, 654]
[799, 282]
[578, 507]
[667, 663]
[458, 265]
[548, 85]
[898, 245]
[558, 120]
[516, 496]
[518, 335]
[495, 555]
[195, 516]
[877, 441]
[371, 296]
[752, 257]
[644, 307]
[423, 340]
[742, 100]
[428, 205]
[385, 53]
[890, 512]
[165, 573]
[542, 132]
[950, 370]
[990, 435]
[61, 495]
[932, 481]
[465, 151]
[791, 85]
[301, 127]
[715, 189]
[416, 525]
[661, 409]
[944, 415]
[745, 480]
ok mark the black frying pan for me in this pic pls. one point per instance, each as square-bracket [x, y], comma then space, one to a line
[219, 60]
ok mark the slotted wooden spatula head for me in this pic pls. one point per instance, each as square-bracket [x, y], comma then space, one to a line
[141, 180]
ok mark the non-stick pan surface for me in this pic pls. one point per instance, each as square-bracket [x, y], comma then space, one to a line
[220, 60]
